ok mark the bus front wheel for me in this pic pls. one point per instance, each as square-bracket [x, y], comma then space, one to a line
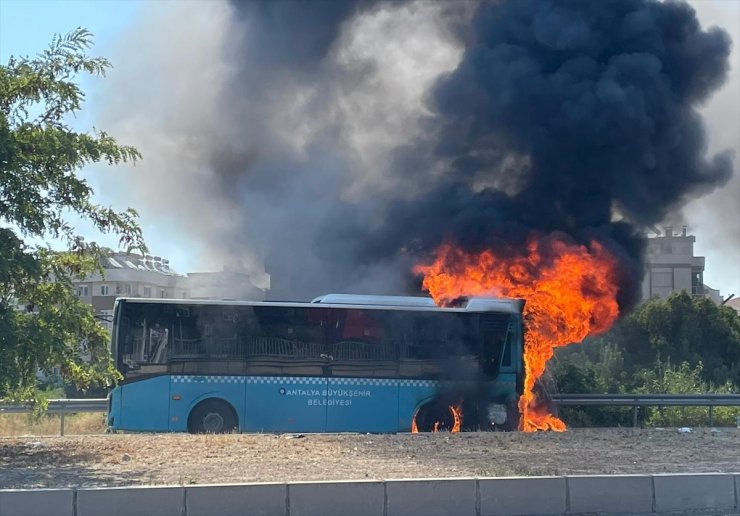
[212, 417]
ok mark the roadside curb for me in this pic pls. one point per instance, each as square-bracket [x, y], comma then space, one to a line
[586, 494]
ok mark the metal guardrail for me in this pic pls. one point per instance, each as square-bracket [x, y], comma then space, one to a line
[61, 407]
[650, 400]
[680, 400]
[70, 406]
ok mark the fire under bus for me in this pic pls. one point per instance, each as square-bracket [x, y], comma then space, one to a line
[342, 363]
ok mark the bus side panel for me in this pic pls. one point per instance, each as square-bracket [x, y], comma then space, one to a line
[411, 395]
[362, 405]
[504, 387]
[145, 405]
[285, 404]
[193, 389]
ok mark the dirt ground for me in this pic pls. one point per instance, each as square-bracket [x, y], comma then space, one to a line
[180, 459]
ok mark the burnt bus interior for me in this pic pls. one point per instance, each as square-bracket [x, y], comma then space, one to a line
[156, 338]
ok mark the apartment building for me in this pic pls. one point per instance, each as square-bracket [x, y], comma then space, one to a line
[131, 275]
[135, 275]
[672, 267]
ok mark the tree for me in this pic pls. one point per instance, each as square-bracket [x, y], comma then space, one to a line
[688, 329]
[40, 160]
[635, 356]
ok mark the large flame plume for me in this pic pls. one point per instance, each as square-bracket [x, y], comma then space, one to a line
[570, 292]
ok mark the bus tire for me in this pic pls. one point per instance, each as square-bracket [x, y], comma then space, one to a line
[431, 413]
[212, 417]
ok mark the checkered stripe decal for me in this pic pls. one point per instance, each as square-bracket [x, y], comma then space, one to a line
[385, 382]
[301, 380]
[196, 378]
[417, 383]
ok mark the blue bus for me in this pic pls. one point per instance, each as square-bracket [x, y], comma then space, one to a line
[341, 363]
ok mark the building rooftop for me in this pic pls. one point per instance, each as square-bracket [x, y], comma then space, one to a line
[135, 261]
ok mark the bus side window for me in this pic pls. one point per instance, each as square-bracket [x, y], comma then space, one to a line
[158, 344]
[506, 360]
[128, 347]
[493, 344]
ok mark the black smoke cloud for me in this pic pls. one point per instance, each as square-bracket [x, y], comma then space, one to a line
[596, 100]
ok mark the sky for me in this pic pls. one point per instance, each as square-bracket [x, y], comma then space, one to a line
[27, 26]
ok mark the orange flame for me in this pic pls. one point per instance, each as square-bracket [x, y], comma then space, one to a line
[570, 292]
[457, 414]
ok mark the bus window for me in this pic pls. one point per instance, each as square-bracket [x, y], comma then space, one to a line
[506, 360]
[186, 341]
[437, 345]
[496, 343]
[218, 332]
[363, 343]
[297, 333]
[146, 340]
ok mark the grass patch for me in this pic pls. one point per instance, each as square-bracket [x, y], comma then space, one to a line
[13, 425]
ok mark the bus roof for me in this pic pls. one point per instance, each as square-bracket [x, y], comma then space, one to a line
[356, 299]
[476, 304]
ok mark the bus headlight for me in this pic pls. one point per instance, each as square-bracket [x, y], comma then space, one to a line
[497, 413]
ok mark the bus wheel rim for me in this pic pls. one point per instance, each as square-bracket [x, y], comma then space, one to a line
[213, 422]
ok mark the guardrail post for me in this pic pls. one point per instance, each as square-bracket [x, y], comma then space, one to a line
[61, 425]
[634, 416]
[711, 415]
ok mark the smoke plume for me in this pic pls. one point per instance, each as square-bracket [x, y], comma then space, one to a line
[337, 143]
[595, 103]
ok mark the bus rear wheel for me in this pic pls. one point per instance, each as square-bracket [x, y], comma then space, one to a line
[435, 417]
[212, 417]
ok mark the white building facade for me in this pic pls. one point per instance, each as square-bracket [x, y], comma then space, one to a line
[130, 275]
[672, 267]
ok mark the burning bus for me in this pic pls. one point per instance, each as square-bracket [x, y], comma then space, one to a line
[342, 363]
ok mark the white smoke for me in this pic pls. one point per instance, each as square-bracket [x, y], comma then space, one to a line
[242, 161]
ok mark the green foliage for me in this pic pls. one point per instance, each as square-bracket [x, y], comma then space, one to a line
[635, 356]
[684, 328]
[591, 369]
[666, 379]
[40, 159]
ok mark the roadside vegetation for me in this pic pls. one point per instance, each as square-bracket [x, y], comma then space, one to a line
[681, 345]
[19, 425]
[43, 324]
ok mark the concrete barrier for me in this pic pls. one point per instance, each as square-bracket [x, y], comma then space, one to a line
[616, 494]
[361, 498]
[131, 501]
[692, 492]
[36, 502]
[236, 500]
[431, 497]
[619, 494]
[522, 495]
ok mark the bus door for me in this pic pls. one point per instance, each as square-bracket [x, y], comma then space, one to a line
[362, 390]
[144, 340]
[500, 353]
